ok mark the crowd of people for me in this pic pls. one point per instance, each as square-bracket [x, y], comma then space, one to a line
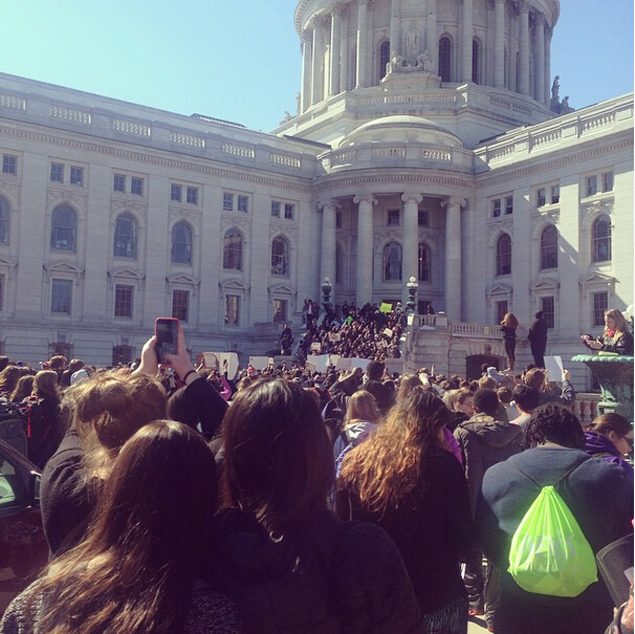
[176, 500]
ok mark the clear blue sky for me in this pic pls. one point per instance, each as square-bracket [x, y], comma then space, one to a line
[240, 59]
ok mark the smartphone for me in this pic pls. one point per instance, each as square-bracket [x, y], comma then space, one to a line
[166, 330]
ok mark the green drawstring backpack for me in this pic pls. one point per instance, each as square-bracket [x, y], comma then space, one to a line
[549, 553]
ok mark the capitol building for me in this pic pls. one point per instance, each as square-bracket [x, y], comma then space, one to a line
[430, 141]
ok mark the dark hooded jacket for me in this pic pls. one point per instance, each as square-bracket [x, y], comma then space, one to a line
[601, 447]
[484, 441]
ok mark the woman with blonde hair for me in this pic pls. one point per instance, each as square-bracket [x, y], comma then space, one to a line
[509, 324]
[142, 566]
[403, 479]
[617, 336]
[360, 420]
[9, 378]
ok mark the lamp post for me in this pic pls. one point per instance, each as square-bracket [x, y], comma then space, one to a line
[326, 293]
[412, 285]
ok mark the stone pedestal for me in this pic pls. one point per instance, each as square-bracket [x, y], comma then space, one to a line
[615, 374]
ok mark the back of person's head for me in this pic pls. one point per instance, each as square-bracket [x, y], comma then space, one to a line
[74, 365]
[556, 424]
[362, 406]
[504, 395]
[23, 388]
[536, 378]
[9, 378]
[450, 399]
[4, 361]
[487, 383]
[57, 362]
[375, 370]
[278, 458]
[182, 409]
[45, 384]
[611, 422]
[486, 401]
[380, 393]
[526, 397]
[510, 321]
[151, 534]
[110, 407]
[539, 314]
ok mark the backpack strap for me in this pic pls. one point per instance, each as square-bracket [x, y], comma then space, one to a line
[558, 481]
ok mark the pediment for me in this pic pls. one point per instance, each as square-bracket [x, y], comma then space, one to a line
[234, 284]
[127, 274]
[284, 289]
[545, 285]
[182, 278]
[6, 263]
[62, 267]
[500, 289]
[597, 278]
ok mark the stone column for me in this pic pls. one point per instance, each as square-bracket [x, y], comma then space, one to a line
[468, 36]
[547, 89]
[453, 257]
[410, 241]
[432, 43]
[395, 27]
[499, 44]
[362, 43]
[307, 63]
[328, 250]
[364, 249]
[540, 58]
[317, 76]
[336, 40]
[523, 83]
[344, 47]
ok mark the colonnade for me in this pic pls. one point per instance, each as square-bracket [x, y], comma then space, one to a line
[343, 30]
[409, 244]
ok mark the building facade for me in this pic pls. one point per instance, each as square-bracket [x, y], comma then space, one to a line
[430, 142]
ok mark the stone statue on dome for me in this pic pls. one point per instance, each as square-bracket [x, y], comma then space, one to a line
[424, 61]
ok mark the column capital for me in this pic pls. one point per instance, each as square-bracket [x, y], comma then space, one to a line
[319, 21]
[339, 9]
[416, 196]
[307, 35]
[322, 203]
[540, 18]
[366, 198]
[452, 201]
[522, 6]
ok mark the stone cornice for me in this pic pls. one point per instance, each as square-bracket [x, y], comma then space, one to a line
[404, 181]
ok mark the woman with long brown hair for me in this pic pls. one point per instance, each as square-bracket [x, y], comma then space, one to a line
[508, 325]
[404, 480]
[140, 570]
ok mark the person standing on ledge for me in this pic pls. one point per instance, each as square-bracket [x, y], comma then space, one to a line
[508, 328]
[538, 339]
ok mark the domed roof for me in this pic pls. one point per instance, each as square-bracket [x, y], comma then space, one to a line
[401, 129]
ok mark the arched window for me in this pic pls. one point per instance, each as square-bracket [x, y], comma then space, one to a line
[424, 263]
[5, 214]
[125, 243]
[476, 61]
[233, 250]
[63, 228]
[384, 58]
[181, 243]
[549, 248]
[279, 256]
[445, 59]
[601, 236]
[339, 262]
[504, 255]
[392, 261]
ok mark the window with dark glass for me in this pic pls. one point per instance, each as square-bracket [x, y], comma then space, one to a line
[119, 183]
[445, 59]
[242, 204]
[123, 300]
[601, 239]
[547, 305]
[555, 194]
[61, 296]
[181, 305]
[63, 228]
[424, 263]
[476, 62]
[607, 182]
[279, 310]
[501, 310]
[125, 243]
[228, 202]
[181, 243]
[591, 185]
[5, 215]
[9, 164]
[549, 248]
[57, 173]
[393, 218]
[275, 208]
[192, 195]
[232, 310]
[422, 218]
[541, 197]
[496, 208]
[279, 257]
[509, 205]
[233, 250]
[176, 193]
[289, 211]
[338, 218]
[600, 304]
[136, 186]
[384, 58]
[122, 355]
[392, 261]
[77, 176]
[504, 255]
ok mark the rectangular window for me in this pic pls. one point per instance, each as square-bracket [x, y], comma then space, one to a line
[600, 304]
[555, 194]
[393, 217]
[338, 218]
[591, 185]
[176, 193]
[289, 211]
[77, 176]
[9, 164]
[501, 310]
[61, 296]
[242, 204]
[136, 186]
[228, 202]
[540, 196]
[279, 310]
[275, 208]
[57, 173]
[180, 304]
[422, 218]
[232, 310]
[119, 183]
[509, 205]
[122, 355]
[192, 195]
[496, 208]
[123, 300]
[607, 181]
[547, 305]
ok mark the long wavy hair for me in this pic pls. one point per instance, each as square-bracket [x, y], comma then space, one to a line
[385, 469]
[149, 540]
[621, 325]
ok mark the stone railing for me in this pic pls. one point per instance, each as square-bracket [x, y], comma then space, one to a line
[585, 406]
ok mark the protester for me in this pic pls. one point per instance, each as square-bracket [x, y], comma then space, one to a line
[617, 336]
[610, 437]
[537, 337]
